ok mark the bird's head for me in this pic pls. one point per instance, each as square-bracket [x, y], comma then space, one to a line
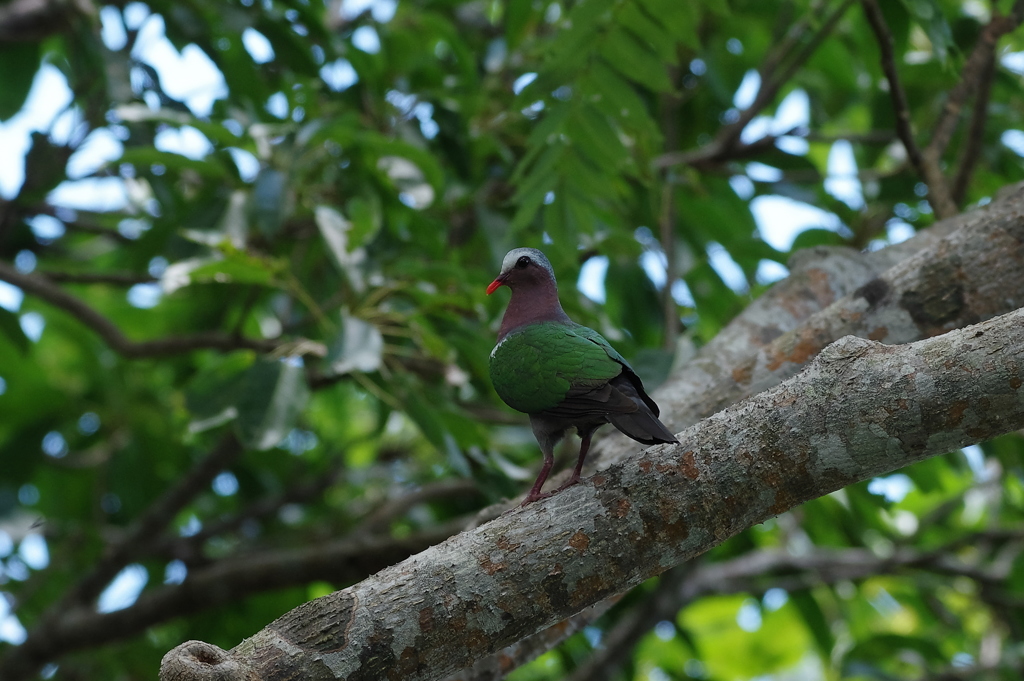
[523, 267]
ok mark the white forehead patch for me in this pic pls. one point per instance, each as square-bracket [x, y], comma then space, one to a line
[532, 253]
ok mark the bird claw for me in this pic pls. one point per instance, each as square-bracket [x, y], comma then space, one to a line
[573, 480]
[530, 498]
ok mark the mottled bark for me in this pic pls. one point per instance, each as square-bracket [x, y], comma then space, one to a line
[961, 271]
[860, 409]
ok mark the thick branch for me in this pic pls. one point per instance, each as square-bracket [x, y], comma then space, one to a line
[971, 274]
[861, 409]
[31, 20]
[341, 561]
[818, 278]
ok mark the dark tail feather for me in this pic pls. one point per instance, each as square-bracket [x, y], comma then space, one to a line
[642, 426]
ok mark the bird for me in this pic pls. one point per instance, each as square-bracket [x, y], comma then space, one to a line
[562, 374]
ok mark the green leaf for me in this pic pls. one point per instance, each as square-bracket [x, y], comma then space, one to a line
[634, 60]
[269, 200]
[519, 14]
[812, 615]
[19, 63]
[929, 15]
[272, 394]
[147, 156]
[681, 18]
[237, 268]
[11, 327]
[359, 346]
[596, 139]
[645, 29]
[335, 230]
[365, 214]
[231, 267]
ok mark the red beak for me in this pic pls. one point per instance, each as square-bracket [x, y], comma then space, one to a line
[495, 285]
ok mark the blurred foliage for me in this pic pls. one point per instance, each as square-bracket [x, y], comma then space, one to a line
[355, 183]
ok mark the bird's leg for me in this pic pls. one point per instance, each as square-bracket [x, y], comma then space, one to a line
[535, 493]
[584, 447]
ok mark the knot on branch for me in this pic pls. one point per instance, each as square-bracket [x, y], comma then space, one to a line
[845, 349]
[199, 661]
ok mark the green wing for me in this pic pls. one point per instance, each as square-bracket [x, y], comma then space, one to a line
[534, 368]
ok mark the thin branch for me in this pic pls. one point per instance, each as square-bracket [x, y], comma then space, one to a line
[40, 286]
[975, 133]
[153, 522]
[928, 169]
[753, 573]
[188, 548]
[770, 87]
[970, 78]
[726, 145]
[392, 509]
[882, 137]
[711, 155]
[670, 108]
[114, 278]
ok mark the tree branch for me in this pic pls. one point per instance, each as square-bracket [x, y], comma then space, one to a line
[976, 131]
[32, 652]
[824, 429]
[726, 145]
[970, 78]
[927, 168]
[772, 83]
[753, 573]
[115, 278]
[973, 273]
[41, 287]
[187, 549]
[818, 278]
[340, 561]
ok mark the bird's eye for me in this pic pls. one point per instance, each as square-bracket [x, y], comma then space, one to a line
[522, 262]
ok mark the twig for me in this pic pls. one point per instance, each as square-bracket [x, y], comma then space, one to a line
[726, 145]
[970, 78]
[115, 278]
[670, 108]
[382, 516]
[188, 548]
[42, 287]
[711, 155]
[975, 133]
[758, 571]
[770, 87]
[938, 191]
[871, 137]
[38, 646]
[152, 523]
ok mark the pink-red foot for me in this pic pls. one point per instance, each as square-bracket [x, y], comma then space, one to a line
[530, 498]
